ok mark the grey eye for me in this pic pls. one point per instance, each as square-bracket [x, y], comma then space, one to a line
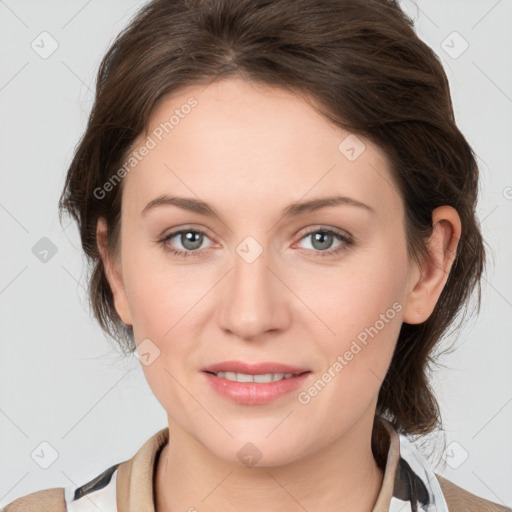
[321, 240]
[191, 240]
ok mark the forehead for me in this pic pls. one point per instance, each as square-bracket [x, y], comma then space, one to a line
[238, 142]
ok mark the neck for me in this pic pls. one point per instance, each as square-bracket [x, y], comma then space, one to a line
[342, 475]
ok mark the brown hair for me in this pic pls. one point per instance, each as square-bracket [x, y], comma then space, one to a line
[365, 69]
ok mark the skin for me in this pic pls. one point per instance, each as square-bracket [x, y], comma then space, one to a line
[249, 151]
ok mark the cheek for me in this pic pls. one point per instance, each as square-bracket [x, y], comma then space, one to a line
[161, 292]
[352, 295]
[360, 308]
[167, 303]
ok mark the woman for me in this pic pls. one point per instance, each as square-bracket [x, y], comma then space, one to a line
[279, 211]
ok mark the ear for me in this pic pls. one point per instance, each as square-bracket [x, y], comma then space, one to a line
[113, 273]
[429, 278]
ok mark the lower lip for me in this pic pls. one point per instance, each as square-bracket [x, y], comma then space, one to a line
[252, 393]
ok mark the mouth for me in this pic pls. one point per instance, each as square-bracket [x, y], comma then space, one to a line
[255, 384]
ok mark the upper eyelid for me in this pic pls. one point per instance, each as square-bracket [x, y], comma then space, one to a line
[175, 231]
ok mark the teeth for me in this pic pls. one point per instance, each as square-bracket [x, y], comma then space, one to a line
[244, 377]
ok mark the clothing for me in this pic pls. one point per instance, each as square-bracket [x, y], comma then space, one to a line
[409, 485]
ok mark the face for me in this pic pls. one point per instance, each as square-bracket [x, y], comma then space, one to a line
[323, 289]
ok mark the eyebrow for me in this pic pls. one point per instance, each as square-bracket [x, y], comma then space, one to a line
[292, 210]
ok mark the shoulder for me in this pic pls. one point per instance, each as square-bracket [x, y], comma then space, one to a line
[460, 500]
[60, 499]
[47, 500]
[100, 493]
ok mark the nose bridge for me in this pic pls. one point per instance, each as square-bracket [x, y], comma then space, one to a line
[254, 301]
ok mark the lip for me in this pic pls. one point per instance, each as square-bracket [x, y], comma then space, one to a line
[253, 368]
[255, 393]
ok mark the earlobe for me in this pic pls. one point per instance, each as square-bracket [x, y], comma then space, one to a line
[429, 278]
[113, 274]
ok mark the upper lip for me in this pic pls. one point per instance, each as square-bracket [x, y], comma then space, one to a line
[253, 369]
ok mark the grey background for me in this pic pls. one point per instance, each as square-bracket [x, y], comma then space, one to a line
[62, 383]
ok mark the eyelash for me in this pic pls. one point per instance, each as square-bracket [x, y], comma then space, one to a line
[347, 241]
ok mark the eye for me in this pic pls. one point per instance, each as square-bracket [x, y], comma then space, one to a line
[322, 239]
[190, 239]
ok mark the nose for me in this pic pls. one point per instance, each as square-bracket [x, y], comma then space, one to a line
[255, 299]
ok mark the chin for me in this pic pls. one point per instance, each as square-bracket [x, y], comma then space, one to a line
[256, 450]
